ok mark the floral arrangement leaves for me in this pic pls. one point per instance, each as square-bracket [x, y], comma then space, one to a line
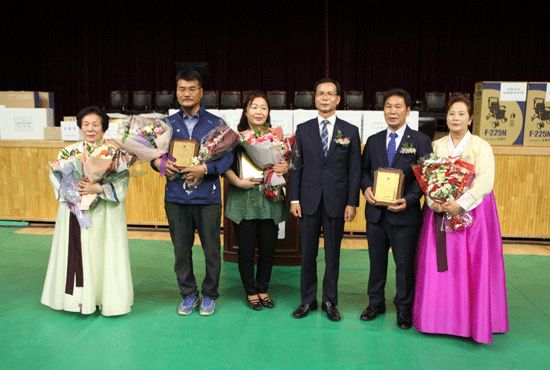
[341, 140]
[407, 148]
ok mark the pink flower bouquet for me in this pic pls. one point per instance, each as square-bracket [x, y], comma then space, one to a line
[265, 150]
[145, 138]
[102, 162]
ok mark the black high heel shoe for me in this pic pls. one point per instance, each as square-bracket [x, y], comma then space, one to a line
[254, 304]
[267, 302]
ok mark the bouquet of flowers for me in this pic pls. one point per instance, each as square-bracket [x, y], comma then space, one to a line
[445, 179]
[103, 162]
[68, 171]
[214, 145]
[265, 150]
[146, 138]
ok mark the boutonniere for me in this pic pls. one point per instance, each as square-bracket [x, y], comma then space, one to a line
[340, 139]
[407, 148]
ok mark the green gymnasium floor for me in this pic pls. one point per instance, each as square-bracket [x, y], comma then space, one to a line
[154, 336]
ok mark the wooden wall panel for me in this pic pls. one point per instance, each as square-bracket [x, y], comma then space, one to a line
[522, 195]
[521, 189]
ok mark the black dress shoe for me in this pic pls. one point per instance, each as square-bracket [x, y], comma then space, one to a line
[254, 303]
[404, 319]
[372, 311]
[267, 302]
[304, 309]
[332, 312]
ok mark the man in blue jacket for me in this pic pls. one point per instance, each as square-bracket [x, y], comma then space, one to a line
[197, 210]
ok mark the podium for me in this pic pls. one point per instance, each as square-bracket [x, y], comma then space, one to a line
[287, 250]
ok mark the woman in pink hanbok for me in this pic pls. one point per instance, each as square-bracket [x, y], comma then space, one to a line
[460, 283]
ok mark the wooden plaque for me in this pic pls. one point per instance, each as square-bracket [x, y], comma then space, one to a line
[388, 186]
[184, 151]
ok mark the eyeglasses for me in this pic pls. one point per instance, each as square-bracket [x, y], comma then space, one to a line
[191, 90]
[323, 94]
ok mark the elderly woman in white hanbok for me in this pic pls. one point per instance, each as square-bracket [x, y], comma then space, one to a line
[89, 267]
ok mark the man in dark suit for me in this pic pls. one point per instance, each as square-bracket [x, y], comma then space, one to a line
[398, 225]
[324, 191]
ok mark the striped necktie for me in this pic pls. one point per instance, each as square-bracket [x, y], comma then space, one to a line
[324, 136]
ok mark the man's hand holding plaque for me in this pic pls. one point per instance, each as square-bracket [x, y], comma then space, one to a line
[184, 151]
[387, 189]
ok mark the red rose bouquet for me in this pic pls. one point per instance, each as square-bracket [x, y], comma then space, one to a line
[445, 179]
[214, 145]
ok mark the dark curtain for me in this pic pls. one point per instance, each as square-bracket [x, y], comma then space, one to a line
[436, 46]
[83, 50]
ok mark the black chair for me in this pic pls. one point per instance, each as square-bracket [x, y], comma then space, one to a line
[118, 102]
[435, 101]
[379, 100]
[164, 100]
[304, 100]
[210, 99]
[277, 99]
[245, 95]
[230, 100]
[427, 125]
[353, 100]
[141, 100]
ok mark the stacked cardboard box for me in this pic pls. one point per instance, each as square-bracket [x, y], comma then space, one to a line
[499, 112]
[537, 116]
[27, 115]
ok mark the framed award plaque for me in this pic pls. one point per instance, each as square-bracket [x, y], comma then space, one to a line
[388, 186]
[184, 151]
[247, 168]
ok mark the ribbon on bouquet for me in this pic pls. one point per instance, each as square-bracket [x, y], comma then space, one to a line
[82, 216]
[163, 159]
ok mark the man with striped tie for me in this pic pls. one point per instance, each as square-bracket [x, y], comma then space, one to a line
[324, 191]
[395, 226]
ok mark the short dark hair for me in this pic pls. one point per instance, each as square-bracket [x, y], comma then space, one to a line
[330, 80]
[243, 123]
[189, 75]
[95, 110]
[399, 92]
[459, 98]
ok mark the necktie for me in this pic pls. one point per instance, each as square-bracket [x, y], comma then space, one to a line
[324, 136]
[391, 148]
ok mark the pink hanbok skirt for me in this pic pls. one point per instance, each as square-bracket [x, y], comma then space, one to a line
[469, 299]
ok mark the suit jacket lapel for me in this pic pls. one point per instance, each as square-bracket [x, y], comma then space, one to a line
[332, 144]
[316, 137]
[383, 150]
[403, 140]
